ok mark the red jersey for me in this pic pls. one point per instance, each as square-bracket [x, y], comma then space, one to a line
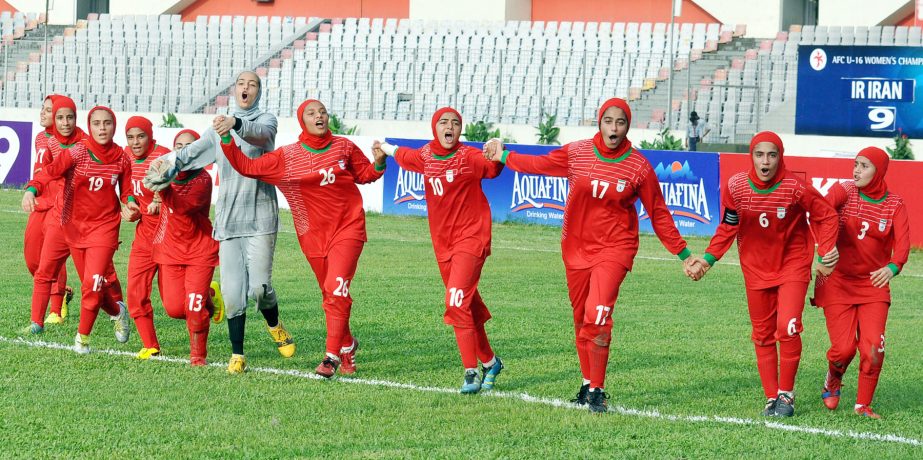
[90, 212]
[773, 238]
[184, 233]
[42, 139]
[148, 224]
[872, 234]
[600, 220]
[320, 186]
[459, 215]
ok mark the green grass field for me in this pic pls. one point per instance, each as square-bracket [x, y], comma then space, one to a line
[682, 372]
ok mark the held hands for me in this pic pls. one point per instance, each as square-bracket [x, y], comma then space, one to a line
[131, 212]
[695, 267]
[493, 149]
[379, 154]
[154, 208]
[881, 277]
[831, 258]
[822, 270]
[28, 201]
[223, 124]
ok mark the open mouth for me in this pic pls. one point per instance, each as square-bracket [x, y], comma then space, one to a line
[764, 171]
[613, 137]
[320, 124]
[244, 96]
[449, 137]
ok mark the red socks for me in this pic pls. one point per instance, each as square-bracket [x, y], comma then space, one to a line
[335, 331]
[766, 364]
[789, 357]
[599, 359]
[485, 353]
[145, 326]
[467, 346]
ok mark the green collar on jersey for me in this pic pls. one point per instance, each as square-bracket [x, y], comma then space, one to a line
[444, 157]
[323, 150]
[192, 176]
[47, 134]
[93, 157]
[872, 200]
[761, 191]
[66, 146]
[612, 160]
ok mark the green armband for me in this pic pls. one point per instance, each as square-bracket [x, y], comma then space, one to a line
[894, 268]
[710, 259]
[226, 139]
[505, 154]
[381, 168]
[820, 259]
[132, 199]
[684, 254]
[32, 189]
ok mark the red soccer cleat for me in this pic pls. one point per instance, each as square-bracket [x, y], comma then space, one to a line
[327, 367]
[348, 358]
[867, 411]
[196, 361]
[831, 394]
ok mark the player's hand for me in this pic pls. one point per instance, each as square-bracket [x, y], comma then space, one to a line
[154, 208]
[881, 277]
[493, 149]
[158, 175]
[831, 258]
[695, 267]
[379, 155]
[822, 270]
[223, 125]
[131, 212]
[28, 201]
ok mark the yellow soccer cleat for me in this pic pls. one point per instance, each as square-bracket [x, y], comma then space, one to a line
[54, 318]
[237, 364]
[146, 353]
[218, 302]
[283, 340]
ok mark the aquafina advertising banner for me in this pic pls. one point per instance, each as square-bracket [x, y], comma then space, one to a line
[859, 91]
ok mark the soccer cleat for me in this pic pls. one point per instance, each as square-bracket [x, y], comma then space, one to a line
[785, 405]
[348, 358]
[770, 409]
[472, 382]
[82, 344]
[121, 324]
[218, 302]
[580, 399]
[68, 296]
[197, 361]
[831, 394]
[327, 367]
[283, 340]
[490, 374]
[867, 411]
[54, 318]
[33, 329]
[598, 400]
[237, 364]
[147, 353]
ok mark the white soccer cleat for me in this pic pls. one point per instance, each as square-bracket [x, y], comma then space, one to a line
[121, 324]
[82, 344]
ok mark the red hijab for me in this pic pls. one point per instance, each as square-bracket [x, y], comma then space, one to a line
[598, 141]
[767, 136]
[192, 133]
[49, 131]
[434, 145]
[306, 138]
[64, 102]
[144, 125]
[106, 153]
[876, 189]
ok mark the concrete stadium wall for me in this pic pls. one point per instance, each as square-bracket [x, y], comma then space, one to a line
[337, 9]
[846, 12]
[618, 11]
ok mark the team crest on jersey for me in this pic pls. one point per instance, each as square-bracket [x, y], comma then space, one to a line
[342, 164]
[780, 213]
[882, 224]
[620, 186]
[450, 175]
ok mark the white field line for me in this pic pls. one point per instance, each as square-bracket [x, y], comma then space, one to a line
[546, 250]
[524, 397]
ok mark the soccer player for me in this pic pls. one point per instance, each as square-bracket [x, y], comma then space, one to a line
[874, 243]
[187, 255]
[34, 236]
[459, 226]
[92, 168]
[599, 238]
[318, 177]
[246, 214]
[764, 210]
[143, 207]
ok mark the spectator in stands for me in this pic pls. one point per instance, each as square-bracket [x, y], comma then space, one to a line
[695, 131]
[246, 214]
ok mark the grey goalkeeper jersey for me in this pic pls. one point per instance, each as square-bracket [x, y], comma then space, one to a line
[245, 206]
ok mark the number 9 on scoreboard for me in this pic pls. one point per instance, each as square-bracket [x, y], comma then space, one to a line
[883, 118]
